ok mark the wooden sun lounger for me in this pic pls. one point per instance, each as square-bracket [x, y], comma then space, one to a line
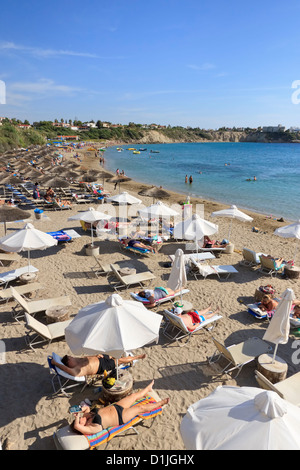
[288, 389]
[36, 306]
[8, 257]
[206, 270]
[6, 294]
[175, 329]
[43, 333]
[130, 279]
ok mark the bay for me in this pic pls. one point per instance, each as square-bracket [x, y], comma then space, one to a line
[222, 172]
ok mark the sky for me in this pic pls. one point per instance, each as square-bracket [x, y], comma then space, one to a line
[195, 63]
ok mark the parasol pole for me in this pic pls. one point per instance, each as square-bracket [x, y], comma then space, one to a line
[274, 355]
[230, 227]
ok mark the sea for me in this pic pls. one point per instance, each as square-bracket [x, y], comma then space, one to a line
[263, 178]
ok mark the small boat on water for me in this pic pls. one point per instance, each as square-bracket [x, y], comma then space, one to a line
[154, 151]
[136, 151]
[131, 148]
[142, 150]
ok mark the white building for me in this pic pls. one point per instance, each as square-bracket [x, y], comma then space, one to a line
[278, 128]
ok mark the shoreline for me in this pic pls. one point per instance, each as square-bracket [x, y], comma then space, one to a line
[259, 218]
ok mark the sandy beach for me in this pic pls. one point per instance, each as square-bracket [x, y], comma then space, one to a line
[29, 413]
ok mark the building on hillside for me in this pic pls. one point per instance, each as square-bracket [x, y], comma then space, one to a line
[278, 128]
[61, 124]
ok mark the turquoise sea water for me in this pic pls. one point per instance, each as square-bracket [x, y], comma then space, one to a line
[225, 168]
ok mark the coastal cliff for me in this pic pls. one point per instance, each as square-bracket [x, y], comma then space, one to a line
[186, 136]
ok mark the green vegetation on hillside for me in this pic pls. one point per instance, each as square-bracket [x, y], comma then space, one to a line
[12, 136]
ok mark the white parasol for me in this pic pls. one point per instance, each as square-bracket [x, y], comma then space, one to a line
[90, 216]
[124, 198]
[158, 209]
[178, 279]
[241, 418]
[112, 327]
[194, 229]
[289, 231]
[233, 213]
[27, 239]
[279, 327]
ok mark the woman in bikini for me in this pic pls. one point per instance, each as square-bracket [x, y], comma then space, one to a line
[268, 304]
[131, 243]
[193, 318]
[116, 414]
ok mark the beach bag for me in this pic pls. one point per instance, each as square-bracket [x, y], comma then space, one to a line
[264, 290]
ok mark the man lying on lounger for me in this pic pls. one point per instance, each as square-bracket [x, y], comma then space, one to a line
[92, 365]
[157, 294]
[194, 318]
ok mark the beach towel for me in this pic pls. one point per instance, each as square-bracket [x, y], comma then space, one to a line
[140, 250]
[106, 435]
[60, 236]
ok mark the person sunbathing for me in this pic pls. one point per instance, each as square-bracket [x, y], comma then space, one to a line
[49, 194]
[92, 365]
[296, 310]
[277, 261]
[95, 420]
[268, 304]
[157, 294]
[62, 202]
[208, 243]
[194, 318]
[132, 243]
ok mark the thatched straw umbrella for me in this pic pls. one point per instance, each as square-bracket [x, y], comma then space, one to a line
[119, 179]
[154, 192]
[9, 178]
[55, 182]
[12, 214]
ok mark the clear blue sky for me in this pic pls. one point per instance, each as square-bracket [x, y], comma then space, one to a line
[193, 62]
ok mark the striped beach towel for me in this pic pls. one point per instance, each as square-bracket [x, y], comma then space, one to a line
[106, 435]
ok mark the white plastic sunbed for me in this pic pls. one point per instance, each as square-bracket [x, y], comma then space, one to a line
[9, 276]
[168, 298]
[195, 257]
[175, 329]
[219, 270]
